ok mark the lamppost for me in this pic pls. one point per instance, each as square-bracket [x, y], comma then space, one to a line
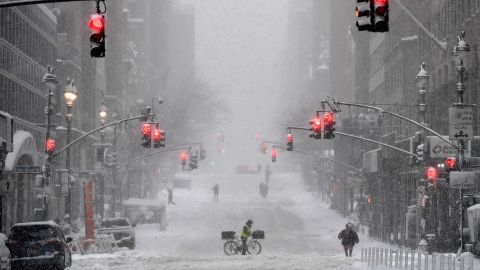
[160, 101]
[50, 81]
[70, 94]
[460, 52]
[422, 80]
[102, 115]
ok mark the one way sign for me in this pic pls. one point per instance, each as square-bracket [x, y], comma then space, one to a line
[461, 122]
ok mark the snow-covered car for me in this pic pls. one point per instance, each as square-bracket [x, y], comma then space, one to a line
[38, 245]
[4, 253]
[121, 229]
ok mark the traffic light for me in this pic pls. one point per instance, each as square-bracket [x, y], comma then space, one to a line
[193, 162]
[432, 174]
[380, 21]
[203, 153]
[97, 39]
[146, 135]
[420, 152]
[114, 159]
[274, 155]
[289, 142]
[183, 158]
[263, 148]
[451, 163]
[50, 146]
[364, 15]
[316, 128]
[158, 138]
[329, 123]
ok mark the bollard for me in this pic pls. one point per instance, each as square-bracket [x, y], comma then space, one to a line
[396, 258]
[400, 258]
[426, 261]
[412, 260]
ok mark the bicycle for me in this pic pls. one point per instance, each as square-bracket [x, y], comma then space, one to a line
[234, 246]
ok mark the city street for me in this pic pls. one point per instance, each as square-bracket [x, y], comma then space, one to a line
[301, 233]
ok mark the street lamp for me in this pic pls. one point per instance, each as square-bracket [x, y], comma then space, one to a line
[160, 101]
[460, 52]
[422, 80]
[70, 94]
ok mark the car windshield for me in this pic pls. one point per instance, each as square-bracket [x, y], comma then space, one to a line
[32, 233]
[114, 223]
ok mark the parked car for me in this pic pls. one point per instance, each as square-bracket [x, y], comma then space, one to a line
[121, 229]
[38, 245]
[4, 253]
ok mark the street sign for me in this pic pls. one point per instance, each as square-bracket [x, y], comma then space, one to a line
[27, 169]
[462, 179]
[461, 122]
[438, 148]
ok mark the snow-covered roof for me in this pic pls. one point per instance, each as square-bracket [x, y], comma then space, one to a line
[37, 223]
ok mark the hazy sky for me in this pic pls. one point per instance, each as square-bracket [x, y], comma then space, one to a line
[239, 52]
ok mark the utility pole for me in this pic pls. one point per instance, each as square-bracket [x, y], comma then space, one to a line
[50, 81]
[460, 52]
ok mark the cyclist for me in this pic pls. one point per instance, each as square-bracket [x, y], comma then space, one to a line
[246, 232]
[349, 238]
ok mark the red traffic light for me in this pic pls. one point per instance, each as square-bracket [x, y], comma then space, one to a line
[317, 125]
[381, 7]
[183, 156]
[329, 118]
[146, 130]
[450, 163]
[369, 199]
[432, 174]
[157, 134]
[274, 153]
[289, 138]
[51, 145]
[97, 23]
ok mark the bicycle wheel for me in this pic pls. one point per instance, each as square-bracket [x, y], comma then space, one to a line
[254, 248]
[230, 247]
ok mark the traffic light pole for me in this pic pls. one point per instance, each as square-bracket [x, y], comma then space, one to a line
[116, 187]
[168, 149]
[16, 3]
[382, 111]
[118, 122]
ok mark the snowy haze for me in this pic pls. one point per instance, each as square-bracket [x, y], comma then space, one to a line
[239, 52]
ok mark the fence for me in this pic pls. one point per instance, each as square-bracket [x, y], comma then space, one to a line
[102, 244]
[385, 258]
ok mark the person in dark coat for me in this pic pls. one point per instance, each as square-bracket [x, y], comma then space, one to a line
[170, 196]
[215, 192]
[349, 238]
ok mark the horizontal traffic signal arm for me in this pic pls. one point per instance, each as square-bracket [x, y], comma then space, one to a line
[118, 122]
[322, 157]
[334, 105]
[167, 149]
[16, 3]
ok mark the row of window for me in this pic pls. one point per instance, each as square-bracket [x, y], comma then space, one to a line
[21, 67]
[20, 33]
[40, 19]
[20, 101]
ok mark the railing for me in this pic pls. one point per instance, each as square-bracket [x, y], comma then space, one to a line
[102, 244]
[386, 258]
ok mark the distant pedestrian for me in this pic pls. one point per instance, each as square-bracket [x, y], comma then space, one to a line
[349, 238]
[215, 192]
[170, 196]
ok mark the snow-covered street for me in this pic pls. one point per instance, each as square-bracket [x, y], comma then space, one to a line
[301, 233]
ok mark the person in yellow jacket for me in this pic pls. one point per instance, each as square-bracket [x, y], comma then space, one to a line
[246, 232]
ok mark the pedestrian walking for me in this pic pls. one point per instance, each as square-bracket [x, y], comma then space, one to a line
[215, 192]
[170, 196]
[349, 238]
